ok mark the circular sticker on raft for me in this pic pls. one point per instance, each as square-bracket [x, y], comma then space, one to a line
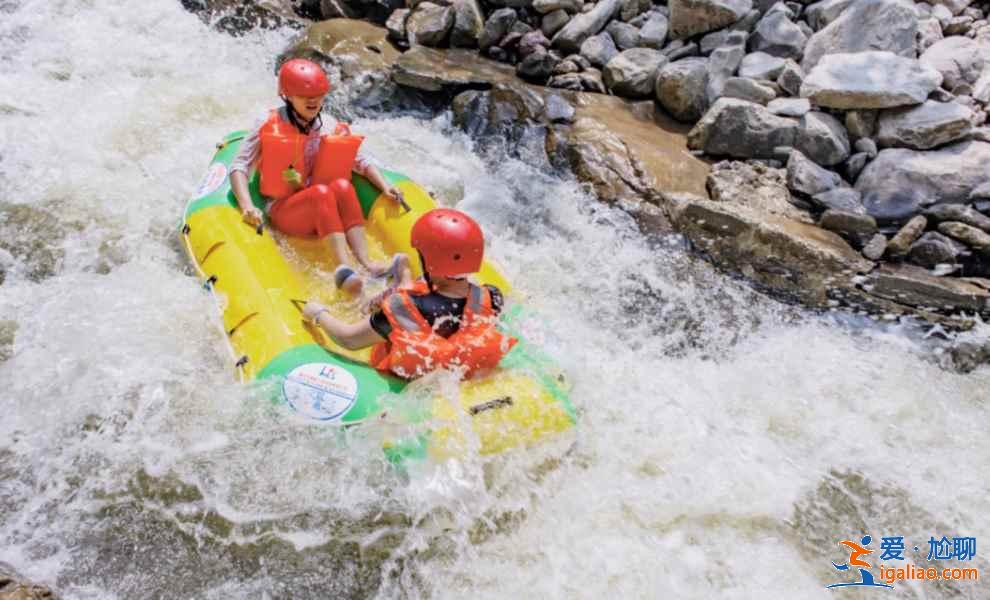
[214, 178]
[320, 391]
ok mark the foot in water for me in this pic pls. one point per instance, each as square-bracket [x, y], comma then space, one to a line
[348, 280]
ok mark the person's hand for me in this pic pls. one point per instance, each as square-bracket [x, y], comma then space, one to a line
[252, 216]
[313, 310]
[396, 195]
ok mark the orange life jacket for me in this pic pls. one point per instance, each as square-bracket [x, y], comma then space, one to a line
[413, 348]
[282, 146]
[335, 159]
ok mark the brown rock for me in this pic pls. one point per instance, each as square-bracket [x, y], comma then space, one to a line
[914, 286]
[755, 185]
[969, 235]
[912, 230]
[357, 47]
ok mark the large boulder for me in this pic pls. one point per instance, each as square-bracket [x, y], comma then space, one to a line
[585, 25]
[899, 182]
[624, 35]
[723, 62]
[691, 17]
[959, 59]
[680, 88]
[496, 27]
[806, 177]
[633, 73]
[599, 49]
[741, 129]
[468, 24]
[777, 35]
[760, 65]
[888, 25]
[914, 286]
[924, 126]
[653, 33]
[869, 80]
[755, 185]
[429, 24]
[822, 138]
[451, 71]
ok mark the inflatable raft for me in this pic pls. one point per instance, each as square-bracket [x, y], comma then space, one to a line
[261, 282]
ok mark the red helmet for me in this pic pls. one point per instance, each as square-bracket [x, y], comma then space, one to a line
[449, 241]
[301, 77]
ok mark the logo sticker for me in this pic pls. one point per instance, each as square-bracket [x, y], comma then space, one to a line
[320, 391]
[214, 178]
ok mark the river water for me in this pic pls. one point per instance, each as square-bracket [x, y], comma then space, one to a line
[726, 442]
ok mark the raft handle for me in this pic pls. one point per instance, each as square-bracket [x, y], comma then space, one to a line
[260, 228]
[241, 361]
[222, 145]
[490, 405]
[210, 282]
[186, 229]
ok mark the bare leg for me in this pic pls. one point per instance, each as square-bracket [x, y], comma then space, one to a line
[359, 244]
[338, 244]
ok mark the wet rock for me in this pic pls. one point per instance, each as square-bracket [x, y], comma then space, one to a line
[591, 80]
[980, 192]
[599, 49]
[549, 6]
[971, 236]
[468, 24]
[754, 185]
[929, 32]
[396, 24]
[777, 35]
[933, 249]
[633, 8]
[789, 107]
[806, 177]
[959, 60]
[633, 73]
[747, 89]
[557, 110]
[531, 41]
[585, 25]
[855, 164]
[855, 228]
[760, 65]
[915, 286]
[14, 586]
[567, 81]
[691, 17]
[496, 27]
[653, 33]
[874, 248]
[822, 138]
[966, 356]
[869, 80]
[723, 63]
[33, 237]
[866, 145]
[625, 36]
[795, 259]
[907, 235]
[924, 126]
[861, 123]
[866, 25]
[842, 199]
[537, 66]
[502, 111]
[791, 77]
[899, 182]
[820, 14]
[433, 70]
[429, 24]
[680, 88]
[741, 129]
[553, 22]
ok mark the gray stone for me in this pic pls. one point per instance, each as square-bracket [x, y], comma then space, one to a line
[958, 25]
[624, 35]
[531, 41]
[791, 77]
[933, 249]
[468, 24]
[981, 89]
[929, 33]
[760, 65]
[820, 14]
[591, 80]
[691, 17]
[866, 145]
[742, 129]
[874, 248]
[855, 228]
[723, 63]
[585, 25]
[861, 123]
[553, 22]
[747, 89]
[959, 60]
[777, 35]
[599, 49]
[967, 234]
[396, 24]
[822, 138]
[429, 24]
[980, 192]
[842, 199]
[633, 73]
[855, 164]
[913, 286]
[899, 182]
[754, 185]
[712, 40]
[633, 8]
[901, 242]
[869, 80]
[549, 6]
[496, 27]
[954, 6]
[566, 66]
[653, 33]
[924, 126]
[790, 107]
[866, 25]
[806, 177]
[960, 213]
[557, 110]
[537, 66]
[680, 88]
[689, 49]
[567, 81]
[580, 61]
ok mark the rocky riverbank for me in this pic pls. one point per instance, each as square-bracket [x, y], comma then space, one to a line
[853, 152]
[14, 587]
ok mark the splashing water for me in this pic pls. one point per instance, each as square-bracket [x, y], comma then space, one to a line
[726, 442]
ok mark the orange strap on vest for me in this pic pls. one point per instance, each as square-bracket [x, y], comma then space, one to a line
[335, 159]
[413, 348]
[283, 147]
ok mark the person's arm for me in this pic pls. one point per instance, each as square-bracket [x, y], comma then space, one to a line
[352, 336]
[247, 156]
[366, 167]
